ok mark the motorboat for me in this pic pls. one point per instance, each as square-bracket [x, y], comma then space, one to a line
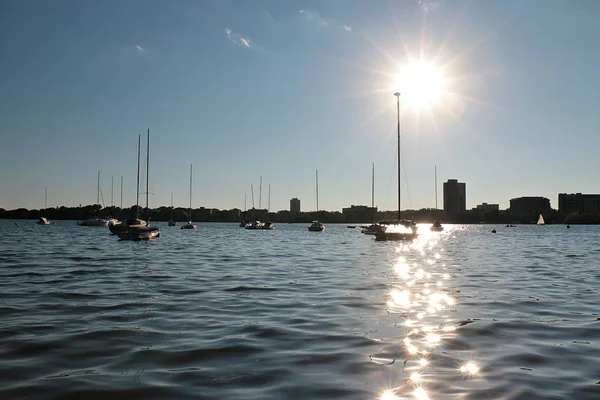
[316, 226]
[436, 227]
[371, 229]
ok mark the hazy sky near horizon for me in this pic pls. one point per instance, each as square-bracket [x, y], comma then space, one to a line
[279, 89]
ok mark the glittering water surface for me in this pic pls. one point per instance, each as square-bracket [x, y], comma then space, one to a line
[227, 313]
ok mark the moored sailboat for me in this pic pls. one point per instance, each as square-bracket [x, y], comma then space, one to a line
[400, 229]
[136, 222]
[142, 232]
[189, 225]
[44, 220]
[317, 226]
[541, 221]
[171, 221]
[96, 220]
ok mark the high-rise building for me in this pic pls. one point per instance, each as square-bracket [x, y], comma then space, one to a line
[295, 205]
[455, 197]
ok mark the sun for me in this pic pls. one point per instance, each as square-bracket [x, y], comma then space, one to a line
[421, 85]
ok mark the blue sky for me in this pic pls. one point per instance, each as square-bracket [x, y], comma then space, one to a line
[244, 89]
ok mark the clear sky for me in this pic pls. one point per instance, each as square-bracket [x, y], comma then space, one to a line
[278, 89]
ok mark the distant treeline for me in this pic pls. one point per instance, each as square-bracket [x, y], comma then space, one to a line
[425, 215]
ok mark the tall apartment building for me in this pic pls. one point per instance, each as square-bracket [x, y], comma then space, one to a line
[455, 197]
[295, 205]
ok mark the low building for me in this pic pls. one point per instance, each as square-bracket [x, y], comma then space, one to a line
[579, 203]
[529, 207]
[488, 207]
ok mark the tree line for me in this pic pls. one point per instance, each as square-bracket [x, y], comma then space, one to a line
[202, 214]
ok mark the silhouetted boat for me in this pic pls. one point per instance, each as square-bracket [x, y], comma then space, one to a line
[143, 232]
[400, 229]
[374, 227]
[317, 226]
[436, 227]
[171, 221]
[136, 222]
[97, 221]
[189, 225]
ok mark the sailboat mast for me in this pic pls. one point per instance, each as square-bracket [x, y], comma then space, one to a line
[147, 173]
[373, 193]
[121, 193]
[98, 195]
[317, 187]
[171, 206]
[436, 196]
[260, 194]
[112, 185]
[137, 187]
[269, 203]
[397, 94]
[45, 198]
[190, 193]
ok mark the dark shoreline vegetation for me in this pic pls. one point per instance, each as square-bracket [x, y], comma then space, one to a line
[202, 214]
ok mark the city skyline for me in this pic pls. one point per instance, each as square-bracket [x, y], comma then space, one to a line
[250, 89]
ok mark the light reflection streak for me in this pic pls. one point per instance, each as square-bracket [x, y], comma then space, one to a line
[419, 294]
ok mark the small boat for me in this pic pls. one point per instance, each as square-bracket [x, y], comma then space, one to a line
[541, 221]
[436, 227]
[130, 223]
[317, 226]
[371, 229]
[189, 225]
[142, 232]
[43, 220]
[96, 220]
[568, 226]
[400, 229]
[171, 221]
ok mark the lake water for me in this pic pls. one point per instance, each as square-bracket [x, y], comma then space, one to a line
[227, 313]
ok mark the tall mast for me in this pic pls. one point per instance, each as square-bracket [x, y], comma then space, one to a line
[171, 206]
[190, 193]
[397, 94]
[147, 172]
[137, 187]
[436, 204]
[121, 194]
[98, 195]
[317, 186]
[45, 198]
[373, 193]
[252, 192]
[260, 194]
[112, 205]
[269, 203]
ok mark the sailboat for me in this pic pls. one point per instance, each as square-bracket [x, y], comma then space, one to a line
[541, 221]
[317, 226]
[142, 232]
[97, 221]
[189, 225]
[43, 220]
[171, 221]
[374, 227]
[437, 225]
[131, 222]
[400, 229]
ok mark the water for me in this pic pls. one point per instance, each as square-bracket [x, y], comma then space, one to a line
[226, 313]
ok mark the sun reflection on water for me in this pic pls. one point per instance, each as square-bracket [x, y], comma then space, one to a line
[420, 296]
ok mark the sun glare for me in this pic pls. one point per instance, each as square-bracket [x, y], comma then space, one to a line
[421, 85]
